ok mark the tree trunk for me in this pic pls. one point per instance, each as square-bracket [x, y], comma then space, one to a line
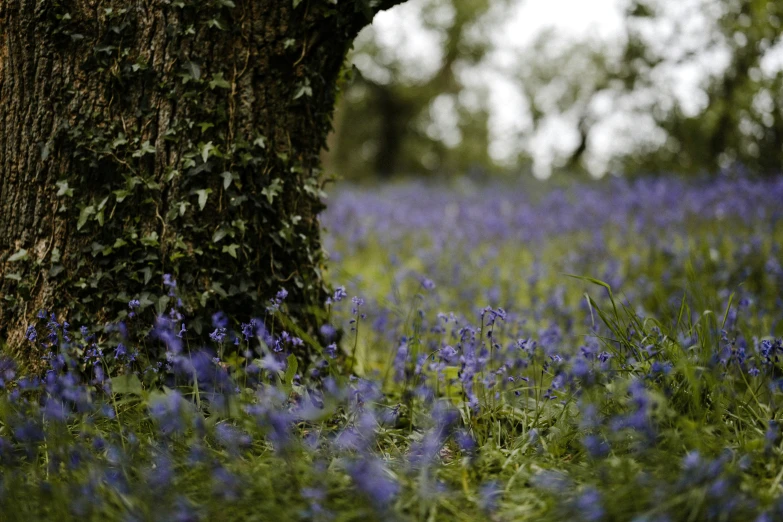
[147, 137]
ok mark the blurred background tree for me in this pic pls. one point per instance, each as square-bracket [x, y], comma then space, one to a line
[449, 87]
[403, 115]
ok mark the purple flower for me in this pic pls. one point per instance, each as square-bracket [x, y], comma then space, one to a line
[169, 281]
[31, 334]
[371, 478]
[7, 370]
[427, 284]
[120, 351]
[400, 362]
[489, 495]
[328, 332]
[270, 363]
[218, 335]
[133, 304]
[219, 320]
[589, 505]
[340, 294]
[168, 412]
[596, 447]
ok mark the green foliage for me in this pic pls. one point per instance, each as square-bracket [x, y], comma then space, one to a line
[230, 212]
[381, 125]
[705, 447]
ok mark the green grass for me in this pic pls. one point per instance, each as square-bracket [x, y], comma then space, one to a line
[661, 430]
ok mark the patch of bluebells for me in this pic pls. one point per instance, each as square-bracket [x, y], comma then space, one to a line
[483, 407]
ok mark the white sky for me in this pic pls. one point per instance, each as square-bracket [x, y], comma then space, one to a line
[403, 39]
[512, 27]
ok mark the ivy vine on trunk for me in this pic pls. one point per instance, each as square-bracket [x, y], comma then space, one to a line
[150, 137]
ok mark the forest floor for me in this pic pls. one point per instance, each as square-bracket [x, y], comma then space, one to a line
[600, 352]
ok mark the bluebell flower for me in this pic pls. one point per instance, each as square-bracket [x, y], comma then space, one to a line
[7, 370]
[426, 283]
[219, 320]
[120, 351]
[589, 505]
[596, 447]
[54, 410]
[340, 294]
[232, 438]
[328, 332]
[168, 413]
[270, 363]
[226, 485]
[371, 478]
[489, 496]
[400, 362]
[168, 280]
[133, 304]
[29, 431]
[772, 434]
[218, 335]
[31, 334]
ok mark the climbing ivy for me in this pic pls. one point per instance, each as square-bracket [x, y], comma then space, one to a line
[152, 174]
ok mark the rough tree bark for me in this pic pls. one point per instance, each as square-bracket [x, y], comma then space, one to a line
[147, 137]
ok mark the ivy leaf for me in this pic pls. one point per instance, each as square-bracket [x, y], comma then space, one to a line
[303, 90]
[231, 249]
[260, 142]
[206, 149]
[239, 224]
[227, 3]
[216, 22]
[146, 148]
[119, 140]
[84, 215]
[14, 275]
[219, 81]
[150, 239]
[218, 289]
[296, 3]
[227, 178]
[63, 189]
[46, 149]
[272, 190]
[202, 197]
[218, 235]
[121, 194]
[20, 255]
[193, 70]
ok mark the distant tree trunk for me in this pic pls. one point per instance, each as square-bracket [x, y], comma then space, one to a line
[394, 117]
[147, 137]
